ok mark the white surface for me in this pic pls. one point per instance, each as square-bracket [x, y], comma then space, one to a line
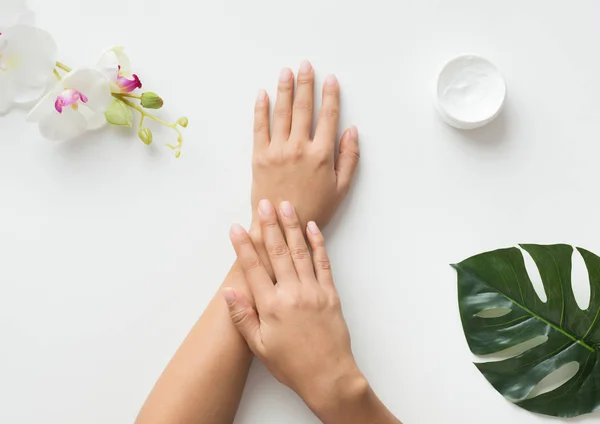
[470, 92]
[111, 250]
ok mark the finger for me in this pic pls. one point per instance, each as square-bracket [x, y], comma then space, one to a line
[294, 235]
[258, 279]
[277, 248]
[327, 125]
[303, 103]
[282, 114]
[261, 122]
[244, 318]
[347, 160]
[320, 257]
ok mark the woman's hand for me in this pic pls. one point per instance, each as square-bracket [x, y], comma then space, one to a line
[288, 163]
[299, 331]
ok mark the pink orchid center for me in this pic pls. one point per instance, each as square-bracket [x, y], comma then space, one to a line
[69, 97]
[127, 85]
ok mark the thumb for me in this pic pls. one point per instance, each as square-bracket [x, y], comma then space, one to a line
[348, 159]
[243, 316]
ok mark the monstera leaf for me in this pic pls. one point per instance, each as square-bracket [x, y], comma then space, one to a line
[499, 280]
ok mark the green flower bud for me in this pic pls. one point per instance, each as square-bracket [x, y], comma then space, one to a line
[145, 135]
[151, 100]
[183, 121]
[178, 154]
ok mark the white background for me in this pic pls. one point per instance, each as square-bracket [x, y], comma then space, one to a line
[110, 250]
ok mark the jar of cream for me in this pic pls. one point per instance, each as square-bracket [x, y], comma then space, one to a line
[470, 92]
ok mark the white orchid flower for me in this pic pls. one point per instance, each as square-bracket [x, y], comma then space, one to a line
[14, 12]
[75, 105]
[27, 59]
[115, 65]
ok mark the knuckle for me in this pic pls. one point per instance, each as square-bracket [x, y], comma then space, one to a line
[260, 127]
[305, 79]
[282, 113]
[303, 106]
[239, 316]
[252, 263]
[335, 301]
[292, 301]
[279, 250]
[260, 161]
[323, 264]
[285, 87]
[299, 253]
[353, 156]
[331, 113]
[294, 153]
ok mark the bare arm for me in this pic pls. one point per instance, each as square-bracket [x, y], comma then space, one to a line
[203, 382]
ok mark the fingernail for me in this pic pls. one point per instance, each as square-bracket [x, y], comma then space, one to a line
[353, 132]
[228, 295]
[237, 230]
[262, 94]
[312, 227]
[331, 80]
[285, 75]
[305, 67]
[265, 207]
[286, 209]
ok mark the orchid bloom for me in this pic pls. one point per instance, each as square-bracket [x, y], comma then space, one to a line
[27, 59]
[115, 65]
[75, 105]
[14, 12]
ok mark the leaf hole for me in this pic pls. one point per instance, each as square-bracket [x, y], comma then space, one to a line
[555, 379]
[493, 312]
[580, 281]
[513, 351]
[534, 276]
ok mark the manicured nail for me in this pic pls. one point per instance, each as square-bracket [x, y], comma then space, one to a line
[237, 230]
[228, 295]
[305, 67]
[353, 132]
[285, 75]
[331, 80]
[261, 96]
[265, 207]
[312, 227]
[286, 209]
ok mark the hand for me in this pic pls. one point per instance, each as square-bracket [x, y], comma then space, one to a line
[298, 330]
[287, 163]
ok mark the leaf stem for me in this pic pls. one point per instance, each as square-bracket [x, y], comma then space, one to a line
[62, 66]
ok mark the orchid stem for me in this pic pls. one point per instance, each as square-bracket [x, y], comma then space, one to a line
[133, 96]
[63, 67]
[56, 74]
[145, 114]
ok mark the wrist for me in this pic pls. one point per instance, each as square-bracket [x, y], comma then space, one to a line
[339, 394]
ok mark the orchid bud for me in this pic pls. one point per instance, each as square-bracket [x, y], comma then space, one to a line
[151, 100]
[183, 121]
[145, 135]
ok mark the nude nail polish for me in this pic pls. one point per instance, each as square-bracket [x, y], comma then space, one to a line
[305, 67]
[285, 75]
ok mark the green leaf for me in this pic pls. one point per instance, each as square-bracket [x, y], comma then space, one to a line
[119, 114]
[499, 280]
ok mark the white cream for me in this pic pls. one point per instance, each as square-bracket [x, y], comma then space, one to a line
[470, 92]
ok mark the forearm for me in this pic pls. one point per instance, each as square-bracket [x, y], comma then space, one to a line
[204, 381]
